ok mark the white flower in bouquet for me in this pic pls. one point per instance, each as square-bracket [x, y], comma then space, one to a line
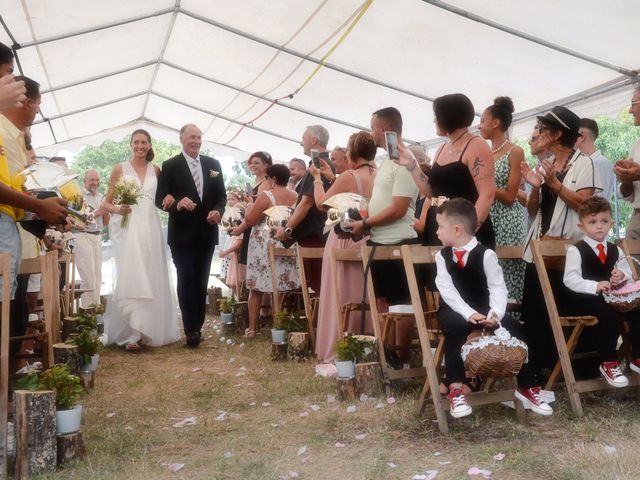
[126, 192]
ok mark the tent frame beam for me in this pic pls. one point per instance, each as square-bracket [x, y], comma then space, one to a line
[98, 28]
[531, 38]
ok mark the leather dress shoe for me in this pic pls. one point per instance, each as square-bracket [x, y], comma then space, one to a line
[193, 339]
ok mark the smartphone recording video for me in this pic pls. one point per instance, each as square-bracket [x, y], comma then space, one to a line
[315, 158]
[392, 145]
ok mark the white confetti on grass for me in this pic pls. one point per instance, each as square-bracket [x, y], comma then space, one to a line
[196, 369]
[266, 404]
[175, 467]
[499, 456]
[351, 409]
[474, 471]
[391, 400]
[360, 436]
[331, 398]
[111, 414]
[293, 474]
[229, 455]
[609, 450]
[379, 405]
[340, 445]
[302, 450]
[392, 465]
[186, 422]
[315, 408]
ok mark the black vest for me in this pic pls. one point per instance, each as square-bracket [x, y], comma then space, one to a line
[470, 281]
[592, 267]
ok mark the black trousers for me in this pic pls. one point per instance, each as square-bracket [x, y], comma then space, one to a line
[456, 329]
[193, 263]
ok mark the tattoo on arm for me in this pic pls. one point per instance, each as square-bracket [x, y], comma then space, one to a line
[477, 164]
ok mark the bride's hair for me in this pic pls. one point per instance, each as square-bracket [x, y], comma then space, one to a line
[141, 131]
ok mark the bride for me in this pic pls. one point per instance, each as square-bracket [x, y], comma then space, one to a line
[142, 307]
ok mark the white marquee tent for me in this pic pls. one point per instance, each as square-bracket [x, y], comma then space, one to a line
[109, 66]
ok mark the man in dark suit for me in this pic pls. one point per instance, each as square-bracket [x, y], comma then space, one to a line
[191, 189]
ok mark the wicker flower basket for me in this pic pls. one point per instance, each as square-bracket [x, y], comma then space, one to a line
[626, 298]
[497, 355]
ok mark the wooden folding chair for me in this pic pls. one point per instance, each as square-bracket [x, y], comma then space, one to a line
[632, 249]
[310, 303]
[551, 255]
[344, 310]
[280, 297]
[5, 272]
[383, 322]
[430, 334]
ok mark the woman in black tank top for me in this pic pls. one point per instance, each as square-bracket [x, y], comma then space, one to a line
[473, 180]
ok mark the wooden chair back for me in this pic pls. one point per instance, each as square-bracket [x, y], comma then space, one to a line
[344, 310]
[5, 272]
[310, 303]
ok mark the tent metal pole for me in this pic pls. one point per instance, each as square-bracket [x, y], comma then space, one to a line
[531, 38]
[98, 77]
[97, 28]
[91, 107]
[289, 51]
[207, 112]
[167, 37]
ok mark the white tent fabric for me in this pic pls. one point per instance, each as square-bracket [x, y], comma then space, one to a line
[107, 67]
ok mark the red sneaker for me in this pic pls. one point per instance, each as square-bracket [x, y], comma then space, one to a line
[459, 405]
[530, 397]
[612, 374]
[635, 365]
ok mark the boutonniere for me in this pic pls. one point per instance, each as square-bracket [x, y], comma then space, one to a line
[213, 173]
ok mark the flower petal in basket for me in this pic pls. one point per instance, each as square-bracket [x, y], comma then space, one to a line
[626, 298]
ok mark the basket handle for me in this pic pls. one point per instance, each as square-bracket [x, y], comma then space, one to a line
[634, 275]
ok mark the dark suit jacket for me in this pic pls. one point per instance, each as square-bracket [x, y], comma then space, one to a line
[176, 179]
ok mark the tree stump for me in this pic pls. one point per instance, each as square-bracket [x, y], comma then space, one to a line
[70, 447]
[215, 294]
[69, 326]
[298, 346]
[35, 432]
[241, 316]
[88, 379]
[369, 379]
[347, 389]
[66, 354]
[278, 352]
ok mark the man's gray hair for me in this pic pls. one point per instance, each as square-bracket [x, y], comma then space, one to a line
[320, 133]
[184, 127]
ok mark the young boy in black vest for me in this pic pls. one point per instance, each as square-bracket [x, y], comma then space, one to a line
[473, 296]
[592, 268]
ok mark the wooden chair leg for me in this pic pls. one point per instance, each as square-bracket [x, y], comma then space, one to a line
[571, 345]
[420, 403]
[520, 412]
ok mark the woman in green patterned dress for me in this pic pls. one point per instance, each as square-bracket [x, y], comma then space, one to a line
[507, 215]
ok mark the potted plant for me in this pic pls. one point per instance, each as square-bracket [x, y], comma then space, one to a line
[97, 310]
[349, 350]
[279, 332]
[88, 345]
[226, 309]
[68, 392]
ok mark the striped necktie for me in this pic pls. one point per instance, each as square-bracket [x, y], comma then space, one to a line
[196, 171]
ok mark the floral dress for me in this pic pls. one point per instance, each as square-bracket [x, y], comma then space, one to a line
[509, 223]
[258, 268]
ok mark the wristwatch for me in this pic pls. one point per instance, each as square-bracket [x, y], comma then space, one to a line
[288, 230]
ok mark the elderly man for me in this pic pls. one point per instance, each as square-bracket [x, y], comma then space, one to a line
[306, 224]
[628, 172]
[88, 245]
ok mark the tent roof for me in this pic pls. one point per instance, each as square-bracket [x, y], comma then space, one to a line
[105, 67]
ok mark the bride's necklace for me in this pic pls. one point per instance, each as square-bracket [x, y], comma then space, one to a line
[452, 142]
[496, 150]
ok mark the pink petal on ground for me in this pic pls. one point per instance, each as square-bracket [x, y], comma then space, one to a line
[391, 400]
[196, 369]
[339, 445]
[111, 414]
[499, 456]
[175, 467]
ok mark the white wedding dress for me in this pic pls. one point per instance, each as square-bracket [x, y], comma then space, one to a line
[142, 306]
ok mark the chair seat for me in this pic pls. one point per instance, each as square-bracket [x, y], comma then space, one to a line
[586, 320]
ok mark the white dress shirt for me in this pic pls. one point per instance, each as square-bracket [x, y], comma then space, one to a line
[634, 198]
[573, 278]
[195, 165]
[495, 283]
[607, 176]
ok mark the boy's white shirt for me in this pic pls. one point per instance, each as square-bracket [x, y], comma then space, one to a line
[573, 278]
[495, 282]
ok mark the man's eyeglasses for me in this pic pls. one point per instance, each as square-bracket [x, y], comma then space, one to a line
[541, 128]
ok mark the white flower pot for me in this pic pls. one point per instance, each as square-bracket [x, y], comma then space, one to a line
[346, 369]
[278, 336]
[94, 362]
[68, 421]
[226, 318]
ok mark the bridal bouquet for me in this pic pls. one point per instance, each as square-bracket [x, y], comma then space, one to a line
[126, 192]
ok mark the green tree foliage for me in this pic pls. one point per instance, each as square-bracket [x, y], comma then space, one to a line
[241, 176]
[105, 156]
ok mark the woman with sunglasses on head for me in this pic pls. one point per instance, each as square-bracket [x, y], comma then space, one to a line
[559, 185]
[273, 192]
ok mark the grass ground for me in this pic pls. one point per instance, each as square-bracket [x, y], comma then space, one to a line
[256, 419]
